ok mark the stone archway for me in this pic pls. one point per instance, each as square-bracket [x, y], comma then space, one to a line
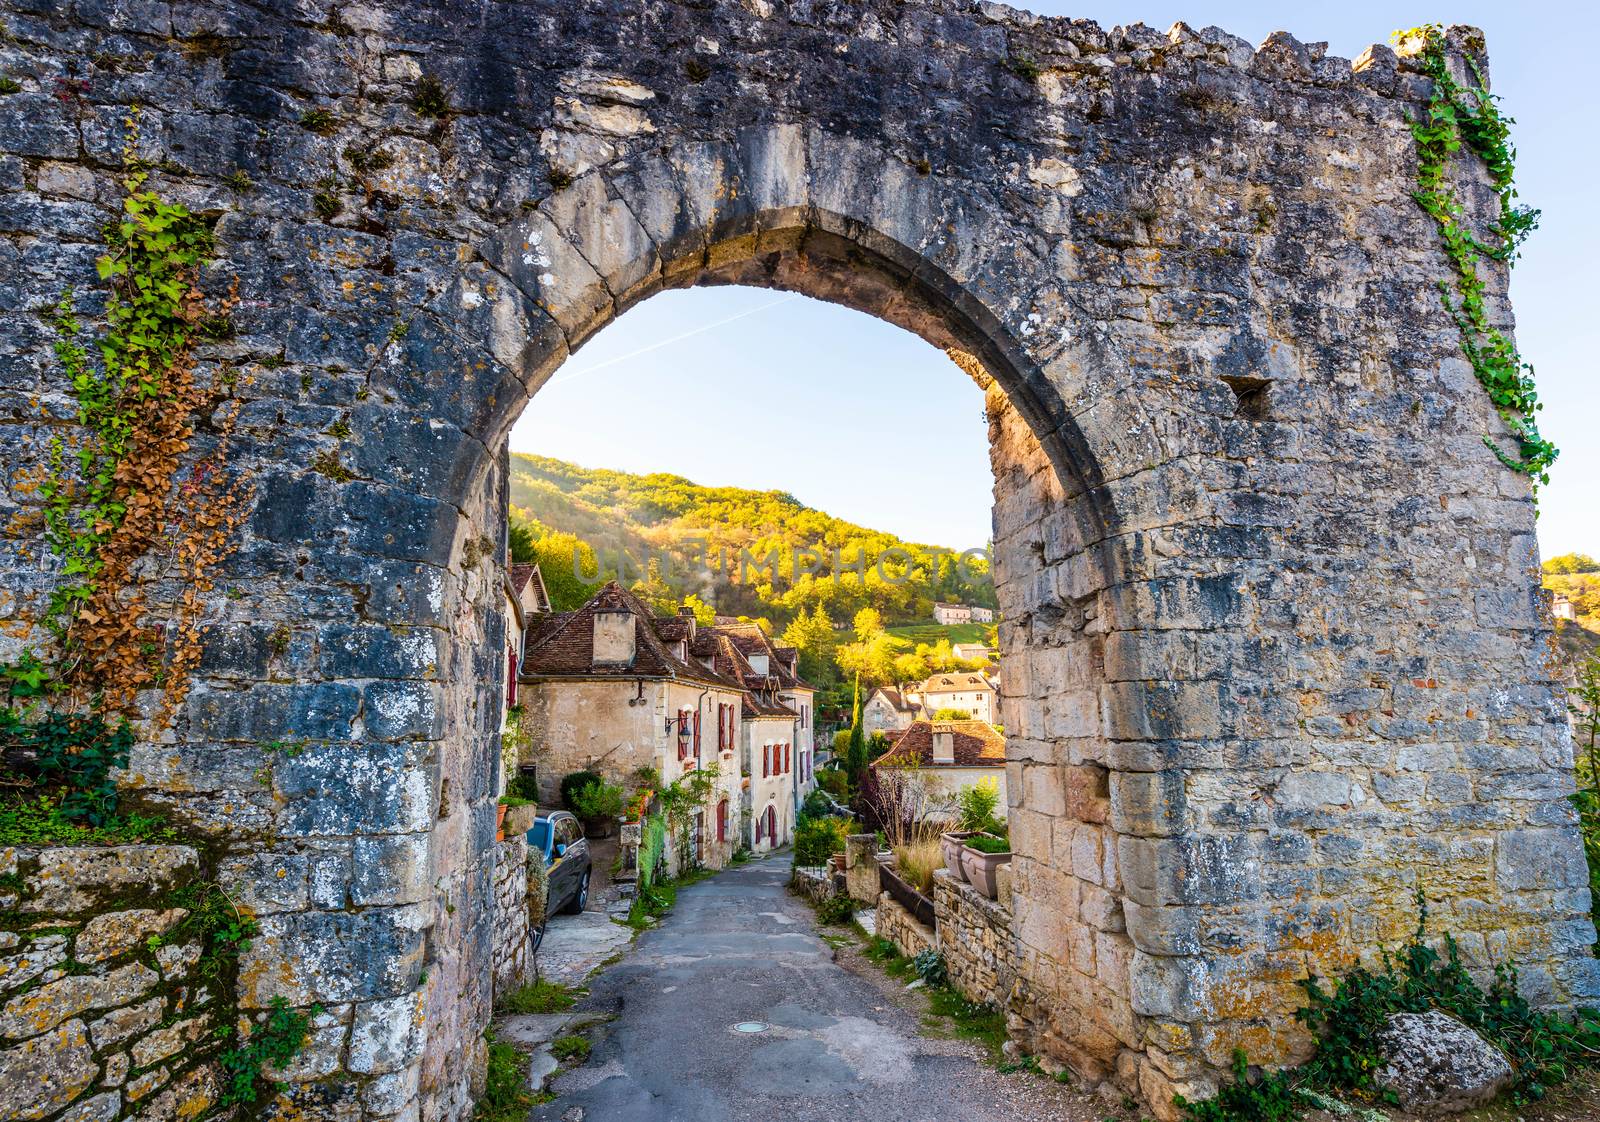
[1271, 622]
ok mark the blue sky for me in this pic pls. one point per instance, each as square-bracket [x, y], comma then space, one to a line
[869, 423]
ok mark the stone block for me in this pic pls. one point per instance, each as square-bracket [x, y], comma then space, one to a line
[47, 1006]
[338, 790]
[114, 933]
[106, 1107]
[42, 953]
[40, 1076]
[333, 956]
[66, 881]
[189, 1097]
[1527, 860]
[389, 870]
[168, 1041]
[122, 1023]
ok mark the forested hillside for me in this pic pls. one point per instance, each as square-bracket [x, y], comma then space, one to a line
[598, 512]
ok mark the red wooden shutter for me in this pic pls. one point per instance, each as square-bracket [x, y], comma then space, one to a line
[511, 675]
[766, 759]
[697, 730]
[722, 820]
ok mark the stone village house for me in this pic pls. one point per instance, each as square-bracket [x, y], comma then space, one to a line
[779, 752]
[525, 597]
[614, 689]
[611, 688]
[970, 692]
[887, 709]
[942, 757]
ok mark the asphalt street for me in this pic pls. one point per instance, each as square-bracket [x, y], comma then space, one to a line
[739, 953]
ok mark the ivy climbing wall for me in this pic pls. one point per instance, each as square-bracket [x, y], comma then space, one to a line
[1264, 511]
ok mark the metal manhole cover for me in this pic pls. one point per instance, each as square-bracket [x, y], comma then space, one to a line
[750, 1026]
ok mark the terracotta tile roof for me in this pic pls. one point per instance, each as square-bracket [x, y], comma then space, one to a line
[520, 572]
[977, 744]
[781, 661]
[562, 645]
[755, 707]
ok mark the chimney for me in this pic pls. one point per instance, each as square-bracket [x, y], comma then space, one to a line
[614, 637]
[944, 746]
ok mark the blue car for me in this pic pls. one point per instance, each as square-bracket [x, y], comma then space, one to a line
[559, 836]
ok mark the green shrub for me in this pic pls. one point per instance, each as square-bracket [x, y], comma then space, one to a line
[598, 800]
[523, 786]
[988, 843]
[834, 781]
[931, 967]
[271, 1043]
[817, 839]
[540, 997]
[976, 804]
[1270, 1098]
[575, 781]
[1543, 1048]
[506, 1097]
[816, 805]
[565, 1048]
[952, 715]
[836, 909]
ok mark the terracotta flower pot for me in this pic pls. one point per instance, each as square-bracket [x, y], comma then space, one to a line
[500, 821]
[950, 845]
[980, 869]
[837, 861]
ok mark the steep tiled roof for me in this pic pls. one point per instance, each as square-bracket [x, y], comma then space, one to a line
[896, 699]
[977, 744]
[750, 639]
[952, 683]
[562, 645]
[755, 707]
[520, 572]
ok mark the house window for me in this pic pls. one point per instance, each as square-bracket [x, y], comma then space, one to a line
[722, 821]
[766, 759]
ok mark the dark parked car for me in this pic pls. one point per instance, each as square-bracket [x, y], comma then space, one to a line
[559, 836]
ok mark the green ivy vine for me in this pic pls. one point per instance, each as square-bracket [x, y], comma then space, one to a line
[1458, 115]
[152, 254]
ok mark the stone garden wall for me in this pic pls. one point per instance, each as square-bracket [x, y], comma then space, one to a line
[901, 928]
[511, 954]
[978, 940]
[101, 1016]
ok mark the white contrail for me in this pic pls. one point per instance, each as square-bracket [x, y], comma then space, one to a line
[656, 346]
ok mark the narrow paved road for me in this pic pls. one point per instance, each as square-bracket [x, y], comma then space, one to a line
[838, 1045]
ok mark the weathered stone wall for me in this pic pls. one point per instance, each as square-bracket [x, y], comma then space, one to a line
[978, 939]
[902, 928]
[95, 1023]
[511, 948]
[1271, 665]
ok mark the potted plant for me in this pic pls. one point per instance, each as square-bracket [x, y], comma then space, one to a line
[516, 815]
[976, 804]
[500, 822]
[599, 804]
[950, 844]
[981, 855]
